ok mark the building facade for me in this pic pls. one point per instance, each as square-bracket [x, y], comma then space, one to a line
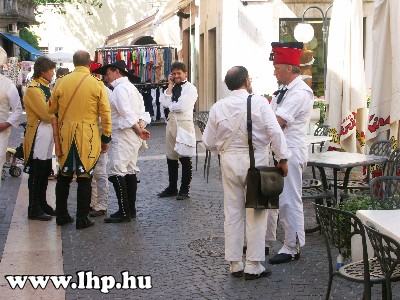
[14, 15]
[71, 27]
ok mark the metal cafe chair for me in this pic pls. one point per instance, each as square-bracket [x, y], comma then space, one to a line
[338, 228]
[387, 253]
[392, 166]
[321, 130]
[313, 190]
[200, 119]
[385, 192]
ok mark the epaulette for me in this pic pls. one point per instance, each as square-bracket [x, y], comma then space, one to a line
[94, 76]
[34, 84]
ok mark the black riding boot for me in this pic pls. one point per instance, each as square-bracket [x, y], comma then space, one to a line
[47, 168]
[84, 195]
[35, 183]
[131, 184]
[123, 214]
[172, 189]
[186, 178]
[62, 193]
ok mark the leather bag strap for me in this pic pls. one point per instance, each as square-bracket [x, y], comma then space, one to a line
[72, 97]
[250, 133]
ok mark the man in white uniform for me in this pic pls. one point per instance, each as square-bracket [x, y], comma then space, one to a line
[100, 187]
[226, 132]
[180, 98]
[128, 120]
[292, 105]
[9, 98]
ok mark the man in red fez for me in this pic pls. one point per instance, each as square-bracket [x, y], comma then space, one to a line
[292, 105]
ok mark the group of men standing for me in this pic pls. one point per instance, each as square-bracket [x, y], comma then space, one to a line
[79, 100]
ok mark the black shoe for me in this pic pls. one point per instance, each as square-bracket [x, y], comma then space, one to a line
[282, 258]
[237, 274]
[42, 217]
[266, 250]
[265, 273]
[61, 221]
[84, 223]
[117, 214]
[48, 209]
[117, 219]
[168, 193]
[97, 213]
[182, 196]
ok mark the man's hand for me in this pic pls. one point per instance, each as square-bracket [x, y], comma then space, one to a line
[144, 134]
[284, 166]
[4, 126]
[104, 148]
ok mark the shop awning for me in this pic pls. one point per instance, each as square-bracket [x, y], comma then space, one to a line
[21, 43]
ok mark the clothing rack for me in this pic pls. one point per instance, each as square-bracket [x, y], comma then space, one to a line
[150, 62]
[130, 47]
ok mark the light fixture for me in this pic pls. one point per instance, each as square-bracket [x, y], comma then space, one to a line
[303, 32]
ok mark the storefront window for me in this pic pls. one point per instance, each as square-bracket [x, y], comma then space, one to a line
[286, 29]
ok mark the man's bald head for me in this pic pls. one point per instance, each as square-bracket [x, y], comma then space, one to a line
[81, 58]
[236, 77]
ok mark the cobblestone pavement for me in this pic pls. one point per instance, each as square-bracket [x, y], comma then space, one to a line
[9, 190]
[180, 244]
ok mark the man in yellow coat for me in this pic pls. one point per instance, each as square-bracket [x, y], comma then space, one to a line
[38, 141]
[79, 99]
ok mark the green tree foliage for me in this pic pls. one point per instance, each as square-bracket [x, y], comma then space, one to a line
[31, 39]
[58, 5]
[96, 3]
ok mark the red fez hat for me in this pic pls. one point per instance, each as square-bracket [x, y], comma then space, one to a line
[286, 53]
[94, 66]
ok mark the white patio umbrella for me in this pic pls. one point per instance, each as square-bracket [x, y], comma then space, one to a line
[60, 57]
[345, 92]
[384, 112]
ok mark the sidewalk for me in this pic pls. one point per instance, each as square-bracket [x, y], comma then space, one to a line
[181, 245]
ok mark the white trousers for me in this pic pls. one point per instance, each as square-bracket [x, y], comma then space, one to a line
[234, 166]
[4, 136]
[291, 204]
[44, 142]
[100, 187]
[123, 152]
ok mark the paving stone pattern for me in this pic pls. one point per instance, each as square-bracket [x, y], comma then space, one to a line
[161, 242]
[9, 191]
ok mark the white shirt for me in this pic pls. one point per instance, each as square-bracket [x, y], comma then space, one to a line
[9, 98]
[295, 108]
[127, 106]
[265, 126]
[183, 108]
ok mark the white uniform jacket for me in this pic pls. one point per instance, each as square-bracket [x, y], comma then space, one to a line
[127, 105]
[183, 108]
[265, 125]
